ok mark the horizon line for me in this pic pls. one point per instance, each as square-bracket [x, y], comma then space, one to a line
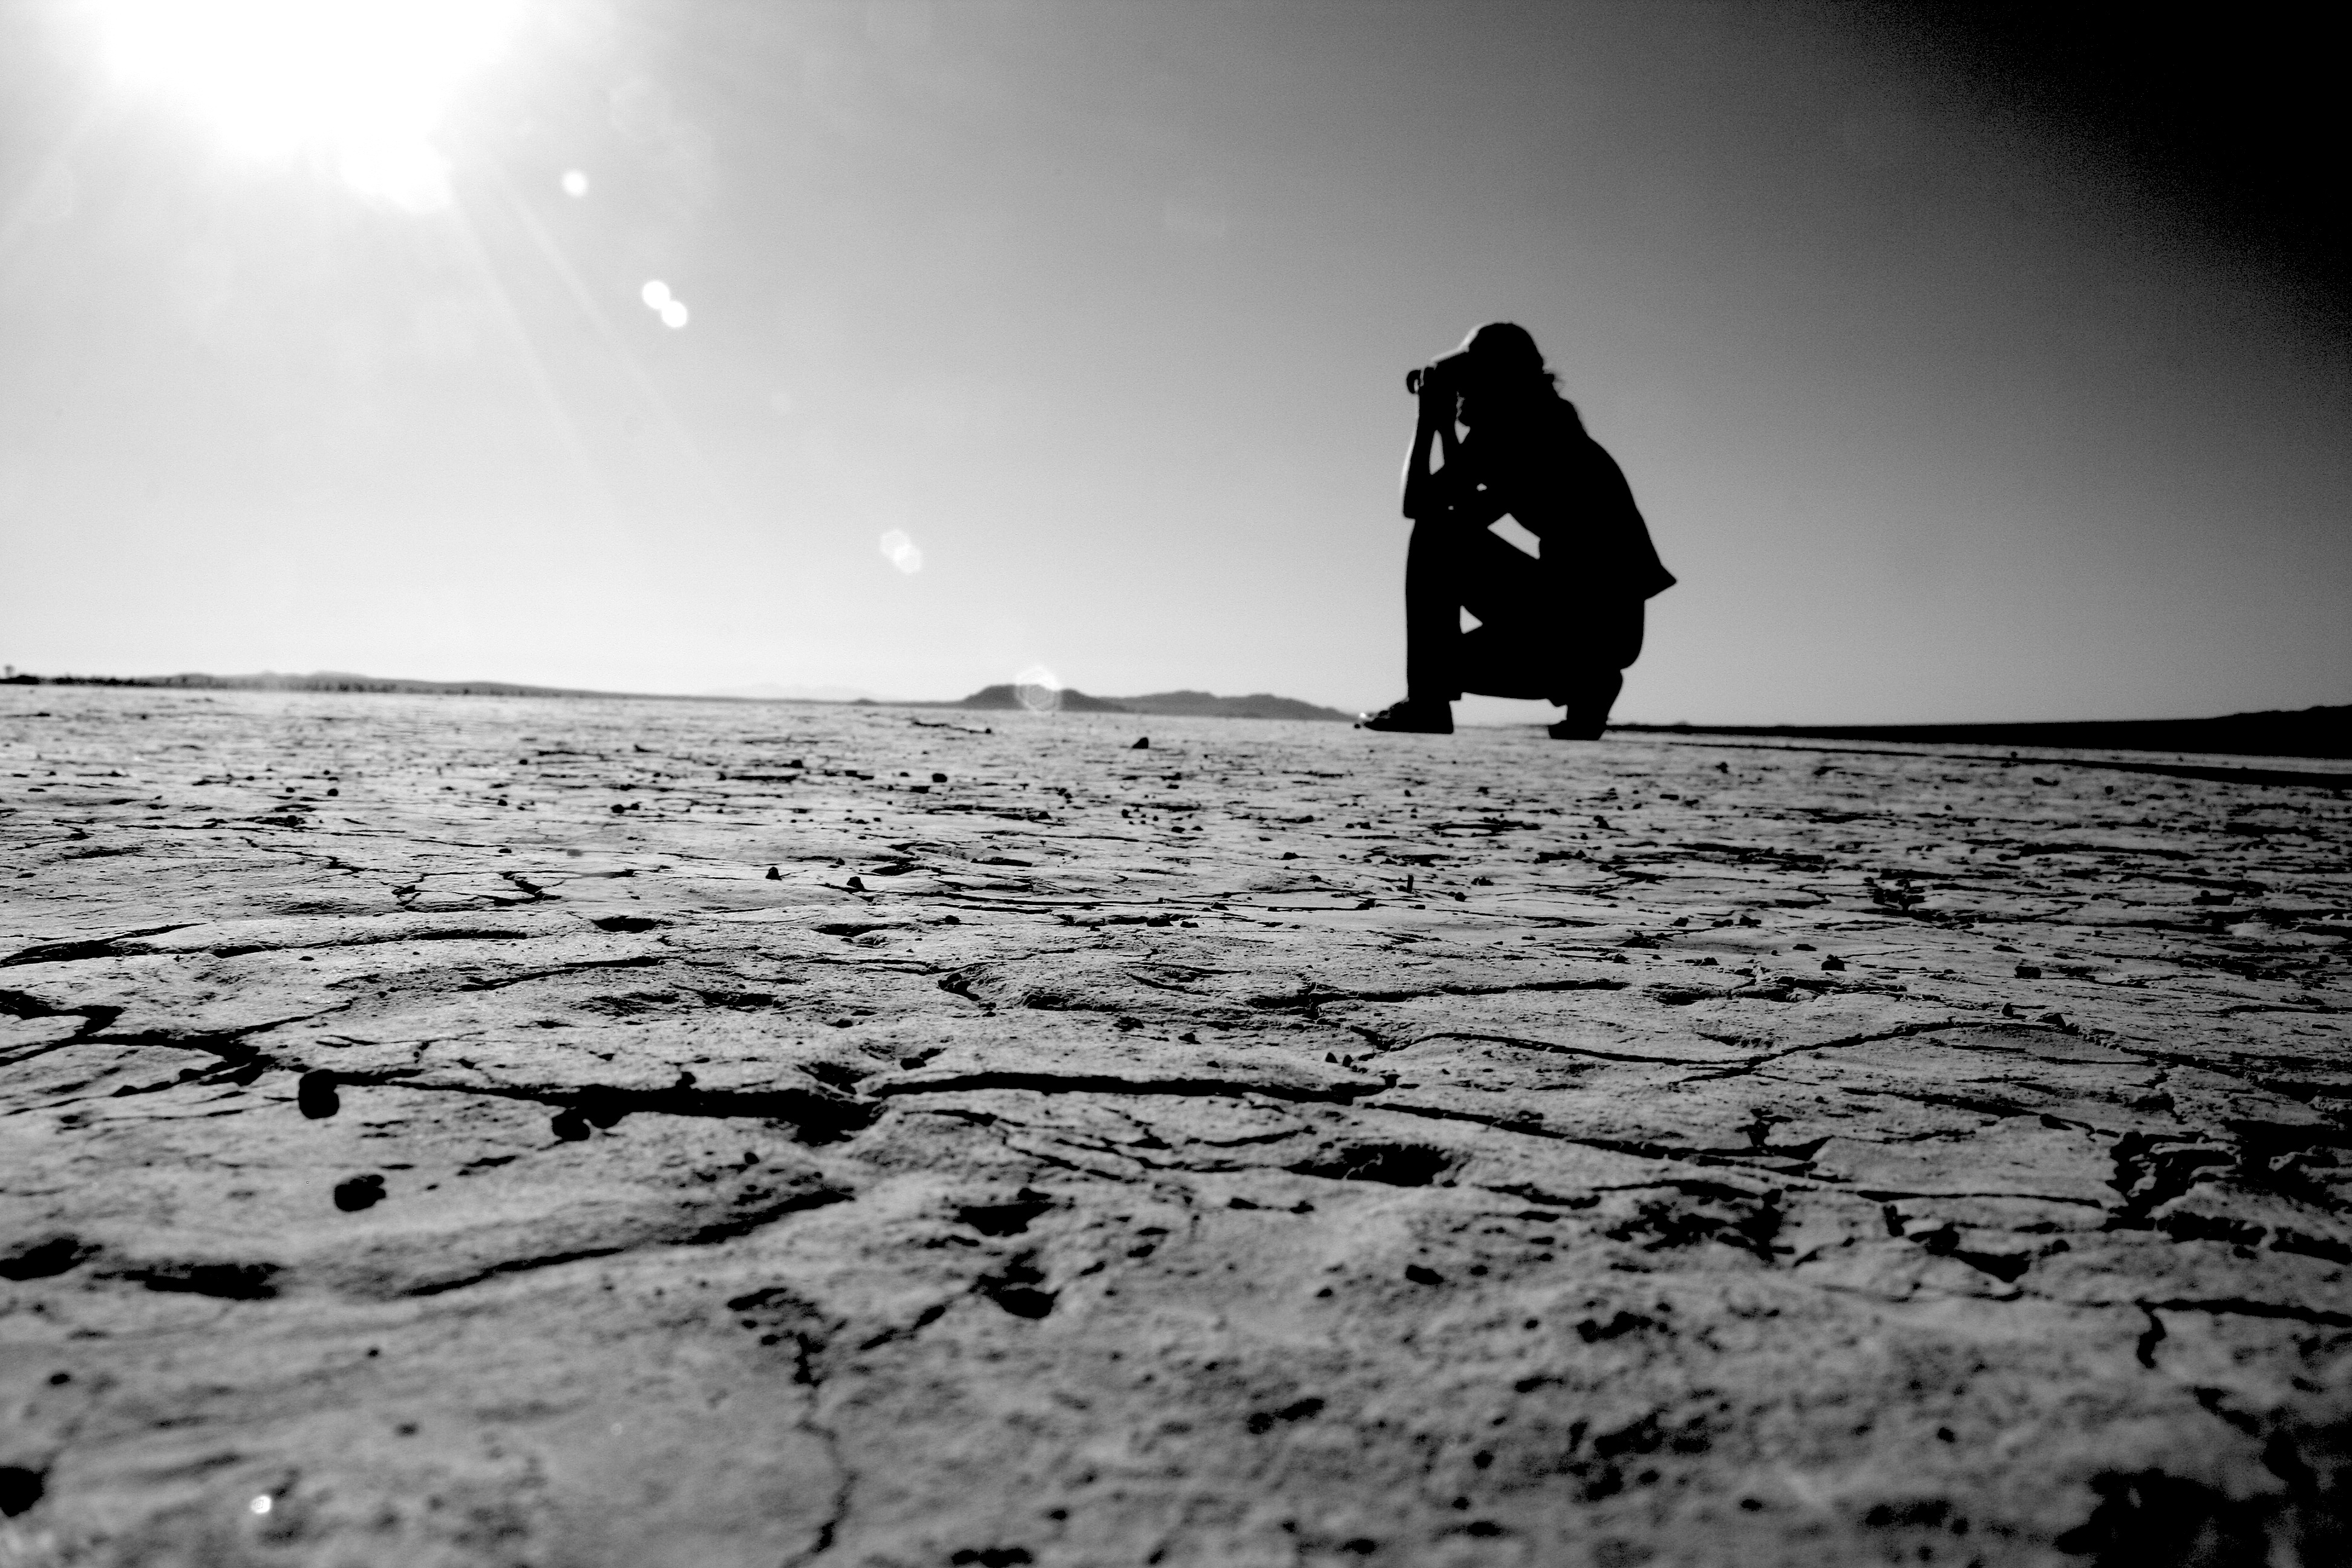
[391, 685]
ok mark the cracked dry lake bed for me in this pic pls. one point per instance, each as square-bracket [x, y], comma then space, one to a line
[461, 1131]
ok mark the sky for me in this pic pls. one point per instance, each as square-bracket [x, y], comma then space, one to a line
[703, 345]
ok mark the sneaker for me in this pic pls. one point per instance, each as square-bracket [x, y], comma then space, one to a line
[1576, 729]
[1411, 717]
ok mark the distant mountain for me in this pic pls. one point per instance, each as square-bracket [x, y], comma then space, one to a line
[339, 681]
[1178, 704]
[1189, 704]
[1000, 698]
[1256, 705]
[2307, 732]
[318, 680]
[2303, 733]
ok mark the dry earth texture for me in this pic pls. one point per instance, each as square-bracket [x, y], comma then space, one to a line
[447, 1131]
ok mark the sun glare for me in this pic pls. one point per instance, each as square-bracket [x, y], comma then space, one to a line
[362, 81]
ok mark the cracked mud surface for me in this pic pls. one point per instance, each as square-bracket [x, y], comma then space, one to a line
[469, 1131]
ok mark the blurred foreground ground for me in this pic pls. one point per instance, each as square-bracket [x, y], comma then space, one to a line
[769, 1134]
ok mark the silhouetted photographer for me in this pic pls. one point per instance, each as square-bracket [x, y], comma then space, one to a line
[1561, 626]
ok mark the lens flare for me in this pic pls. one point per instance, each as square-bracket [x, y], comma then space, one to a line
[1038, 689]
[663, 303]
[364, 81]
[901, 551]
[575, 183]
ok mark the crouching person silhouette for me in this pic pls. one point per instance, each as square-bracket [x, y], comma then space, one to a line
[1560, 627]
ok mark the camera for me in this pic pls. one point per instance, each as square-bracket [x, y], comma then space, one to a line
[1439, 376]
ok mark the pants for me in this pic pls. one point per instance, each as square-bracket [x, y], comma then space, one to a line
[1536, 635]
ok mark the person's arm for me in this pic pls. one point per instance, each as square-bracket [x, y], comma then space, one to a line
[1431, 491]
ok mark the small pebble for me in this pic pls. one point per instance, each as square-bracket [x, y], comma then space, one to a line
[359, 1193]
[315, 1096]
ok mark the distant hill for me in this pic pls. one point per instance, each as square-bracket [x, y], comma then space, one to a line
[318, 680]
[1256, 705]
[1178, 704]
[2303, 733]
[1191, 704]
[1002, 699]
[2307, 733]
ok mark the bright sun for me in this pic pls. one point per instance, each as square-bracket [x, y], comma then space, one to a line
[363, 81]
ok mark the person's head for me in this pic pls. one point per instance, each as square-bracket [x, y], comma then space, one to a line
[1500, 370]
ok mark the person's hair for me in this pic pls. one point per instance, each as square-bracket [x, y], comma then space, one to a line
[1507, 351]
